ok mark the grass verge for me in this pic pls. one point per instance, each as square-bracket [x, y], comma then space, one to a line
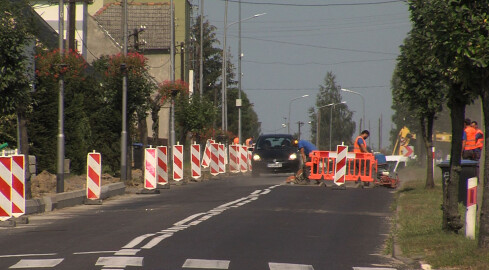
[419, 230]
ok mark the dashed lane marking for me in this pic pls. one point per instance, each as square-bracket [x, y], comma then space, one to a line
[31, 263]
[206, 264]
[27, 255]
[372, 268]
[119, 261]
[289, 266]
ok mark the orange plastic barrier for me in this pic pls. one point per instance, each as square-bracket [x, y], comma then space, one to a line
[360, 166]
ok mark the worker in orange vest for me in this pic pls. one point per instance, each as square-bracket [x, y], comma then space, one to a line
[479, 140]
[360, 144]
[469, 141]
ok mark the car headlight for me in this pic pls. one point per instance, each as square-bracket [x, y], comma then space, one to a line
[256, 157]
[293, 156]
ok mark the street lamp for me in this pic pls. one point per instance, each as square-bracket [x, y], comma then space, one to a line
[363, 103]
[224, 69]
[318, 115]
[290, 103]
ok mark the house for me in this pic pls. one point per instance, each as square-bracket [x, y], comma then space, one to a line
[105, 37]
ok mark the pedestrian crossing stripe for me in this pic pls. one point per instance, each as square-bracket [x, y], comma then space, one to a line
[289, 266]
[119, 261]
[32, 263]
[206, 264]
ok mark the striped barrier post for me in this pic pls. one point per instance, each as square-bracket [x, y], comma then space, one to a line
[150, 168]
[471, 213]
[5, 188]
[178, 162]
[340, 166]
[195, 157]
[233, 158]
[206, 159]
[221, 164]
[243, 158]
[94, 175]
[18, 185]
[250, 168]
[162, 165]
[214, 161]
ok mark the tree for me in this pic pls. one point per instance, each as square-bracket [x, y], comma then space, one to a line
[16, 30]
[343, 126]
[421, 88]
[44, 116]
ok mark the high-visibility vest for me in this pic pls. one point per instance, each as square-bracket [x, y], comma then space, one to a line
[356, 146]
[470, 143]
[479, 142]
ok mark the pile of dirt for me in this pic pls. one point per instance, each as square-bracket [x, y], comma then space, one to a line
[44, 183]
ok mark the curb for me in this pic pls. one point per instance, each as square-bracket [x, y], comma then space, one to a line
[69, 199]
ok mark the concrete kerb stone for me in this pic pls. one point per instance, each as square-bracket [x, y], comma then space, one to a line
[69, 199]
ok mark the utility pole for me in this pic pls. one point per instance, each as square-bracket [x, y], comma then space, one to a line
[61, 137]
[201, 66]
[124, 167]
[300, 124]
[182, 62]
[71, 25]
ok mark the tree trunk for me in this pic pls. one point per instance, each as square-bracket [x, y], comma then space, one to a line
[427, 133]
[451, 216]
[484, 218]
[143, 129]
[24, 149]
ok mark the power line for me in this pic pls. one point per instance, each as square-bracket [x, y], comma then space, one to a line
[316, 63]
[319, 47]
[317, 5]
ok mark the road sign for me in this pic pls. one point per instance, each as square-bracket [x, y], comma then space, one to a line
[407, 150]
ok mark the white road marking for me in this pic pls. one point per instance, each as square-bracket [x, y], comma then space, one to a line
[119, 261]
[233, 202]
[372, 268]
[256, 192]
[155, 241]
[127, 252]
[136, 241]
[36, 263]
[93, 252]
[206, 264]
[183, 221]
[289, 266]
[27, 255]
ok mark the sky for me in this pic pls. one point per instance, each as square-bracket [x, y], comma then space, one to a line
[288, 51]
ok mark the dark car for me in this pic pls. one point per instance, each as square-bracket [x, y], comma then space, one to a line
[275, 153]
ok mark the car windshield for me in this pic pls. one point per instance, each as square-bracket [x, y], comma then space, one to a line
[266, 143]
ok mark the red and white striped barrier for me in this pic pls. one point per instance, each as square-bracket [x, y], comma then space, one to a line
[150, 168]
[214, 160]
[177, 162]
[340, 168]
[162, 165]
[94, 176]
[250, 167]
[195, 161]
[5, 188]
[206, 159]
[221, 164]
[243, 160]
[18, 185]
[471, 213]
[234, 158]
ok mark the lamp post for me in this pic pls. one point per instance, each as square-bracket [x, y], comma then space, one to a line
[318, 117]
[290, 103]
[224, 68]
[363, 103]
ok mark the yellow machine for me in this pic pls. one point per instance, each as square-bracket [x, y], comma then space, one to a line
[403, 139]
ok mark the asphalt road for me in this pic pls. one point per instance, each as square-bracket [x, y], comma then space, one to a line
[231, 223]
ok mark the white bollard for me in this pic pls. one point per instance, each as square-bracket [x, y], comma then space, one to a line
[340, 166]
[150, 168]
[162, 165]
[471, 213]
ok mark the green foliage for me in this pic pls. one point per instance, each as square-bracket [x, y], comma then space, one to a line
[14, 35]
[343, 127]
[43, 125]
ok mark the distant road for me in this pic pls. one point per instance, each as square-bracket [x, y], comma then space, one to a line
[232, 223]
